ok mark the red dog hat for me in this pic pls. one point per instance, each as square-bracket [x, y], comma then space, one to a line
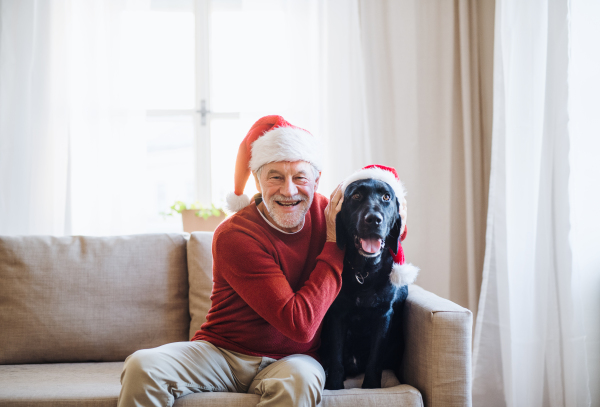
[270, 139]
[402, 273]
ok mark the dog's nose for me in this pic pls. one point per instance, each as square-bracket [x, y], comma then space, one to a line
[373, 217]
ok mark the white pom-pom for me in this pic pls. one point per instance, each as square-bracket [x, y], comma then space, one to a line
[403, 274]
[235, 203]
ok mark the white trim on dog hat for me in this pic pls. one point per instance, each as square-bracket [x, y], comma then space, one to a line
[270, 139]
[381, 173]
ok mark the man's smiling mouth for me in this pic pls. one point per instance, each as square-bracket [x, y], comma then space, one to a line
[294, 203]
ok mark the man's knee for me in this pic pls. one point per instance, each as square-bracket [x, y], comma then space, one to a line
[294, 380]
[306, 371]
[139, 365]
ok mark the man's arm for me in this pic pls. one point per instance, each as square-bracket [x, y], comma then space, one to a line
[263, 286]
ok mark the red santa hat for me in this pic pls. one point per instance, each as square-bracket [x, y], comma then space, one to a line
[402, 273]
[270, 139]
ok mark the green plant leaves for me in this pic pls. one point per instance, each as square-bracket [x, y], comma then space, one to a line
[180, 206]
[207, 212]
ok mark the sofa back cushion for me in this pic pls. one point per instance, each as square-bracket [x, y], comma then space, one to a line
[75, 299]
[200, 274]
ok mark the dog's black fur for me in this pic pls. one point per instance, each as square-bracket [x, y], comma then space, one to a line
[361, 330]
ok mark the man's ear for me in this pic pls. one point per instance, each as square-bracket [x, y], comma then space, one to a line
[317, 181]
[393, 237]
[257, 183]
[341, 234]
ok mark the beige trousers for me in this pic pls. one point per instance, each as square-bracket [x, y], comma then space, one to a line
[156, 377]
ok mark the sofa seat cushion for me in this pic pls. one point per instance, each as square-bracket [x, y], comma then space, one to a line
[61, 384]
[98, 385]
[398, 396]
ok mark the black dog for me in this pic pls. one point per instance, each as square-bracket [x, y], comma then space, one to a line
[361, 331]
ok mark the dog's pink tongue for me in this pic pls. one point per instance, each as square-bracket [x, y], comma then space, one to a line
[370, 245]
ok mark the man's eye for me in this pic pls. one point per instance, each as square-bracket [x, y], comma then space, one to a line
[356, 196]
[387, 197]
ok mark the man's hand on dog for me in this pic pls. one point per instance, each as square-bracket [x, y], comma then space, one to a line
[331, 211]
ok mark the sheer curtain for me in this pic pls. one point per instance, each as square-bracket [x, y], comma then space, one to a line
[33, 131]
[71, 135]
[536, 338]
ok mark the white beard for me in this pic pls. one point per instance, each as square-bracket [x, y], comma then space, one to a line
[288, 220]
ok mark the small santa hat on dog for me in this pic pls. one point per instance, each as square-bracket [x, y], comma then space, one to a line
[270, 139]
[402, 273]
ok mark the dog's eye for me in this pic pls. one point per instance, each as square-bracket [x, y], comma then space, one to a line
[387, 197]
[356, 196]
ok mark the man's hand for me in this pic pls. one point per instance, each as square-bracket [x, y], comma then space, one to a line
[331, 211]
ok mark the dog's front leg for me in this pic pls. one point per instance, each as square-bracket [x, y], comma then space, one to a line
[335, 331]
[379, 343]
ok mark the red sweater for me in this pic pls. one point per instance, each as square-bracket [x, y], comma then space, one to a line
[271, 290]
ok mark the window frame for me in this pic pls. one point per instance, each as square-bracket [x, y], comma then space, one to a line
[202, 114]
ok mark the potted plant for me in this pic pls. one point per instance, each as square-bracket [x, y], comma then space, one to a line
[196, 217]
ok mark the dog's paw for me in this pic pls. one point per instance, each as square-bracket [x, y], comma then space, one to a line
[334, 384]
[335, 378]
[369, 383]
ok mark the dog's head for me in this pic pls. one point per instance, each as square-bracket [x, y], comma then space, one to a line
[369, 219]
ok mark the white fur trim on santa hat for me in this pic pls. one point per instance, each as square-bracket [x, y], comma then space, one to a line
[379, 174]
[235, 203]
[286, 144]
[403, 274]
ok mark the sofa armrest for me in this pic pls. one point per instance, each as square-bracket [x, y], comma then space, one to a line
[437, 349]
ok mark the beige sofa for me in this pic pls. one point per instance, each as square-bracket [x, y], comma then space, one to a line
[73, 308]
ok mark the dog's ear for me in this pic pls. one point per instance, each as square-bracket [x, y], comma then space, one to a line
[392, 239]
[341, 234]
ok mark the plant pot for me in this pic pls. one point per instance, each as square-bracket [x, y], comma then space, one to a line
[193, 223]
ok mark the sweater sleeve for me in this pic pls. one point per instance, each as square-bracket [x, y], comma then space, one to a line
[263, 286]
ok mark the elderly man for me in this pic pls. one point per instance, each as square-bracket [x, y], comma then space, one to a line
[276, 271]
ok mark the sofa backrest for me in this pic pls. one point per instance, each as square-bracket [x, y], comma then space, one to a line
[199, 251]
[75, 299]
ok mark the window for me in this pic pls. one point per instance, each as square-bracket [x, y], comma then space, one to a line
[202, 85]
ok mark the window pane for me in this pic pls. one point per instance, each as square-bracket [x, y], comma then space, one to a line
[249, 57]
[157, 51]
[170, 169]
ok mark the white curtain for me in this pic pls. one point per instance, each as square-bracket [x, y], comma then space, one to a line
[536, 338]
[33, 132]
[71, 141]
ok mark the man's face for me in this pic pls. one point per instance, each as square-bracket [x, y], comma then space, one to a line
[287, 191]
